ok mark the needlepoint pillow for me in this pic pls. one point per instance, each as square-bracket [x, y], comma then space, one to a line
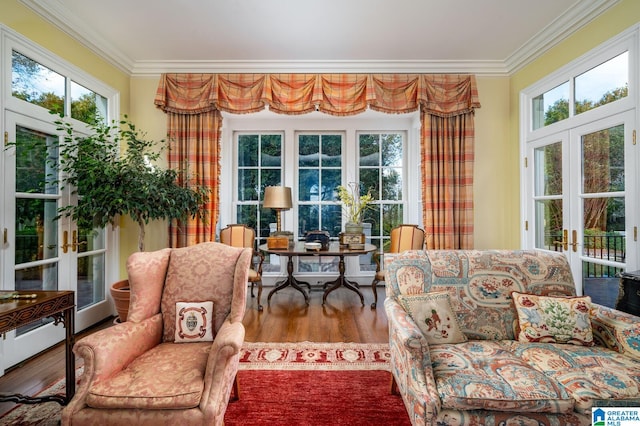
[434, 315]
[193, 322]
[553, 319]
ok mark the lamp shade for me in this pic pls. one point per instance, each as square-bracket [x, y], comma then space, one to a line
[277, 197]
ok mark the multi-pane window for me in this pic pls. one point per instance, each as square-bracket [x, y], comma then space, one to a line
[317, 168]
[381, 174]
[598, 86]
[319, 174]
[42, 86]
[259, 166]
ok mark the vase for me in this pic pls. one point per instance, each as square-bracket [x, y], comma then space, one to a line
[121, 294]
[353, 228]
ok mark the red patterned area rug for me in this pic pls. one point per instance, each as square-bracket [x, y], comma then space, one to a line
[301, 384]
[315, 384]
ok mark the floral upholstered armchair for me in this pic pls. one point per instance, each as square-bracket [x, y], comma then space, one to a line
[175, 359]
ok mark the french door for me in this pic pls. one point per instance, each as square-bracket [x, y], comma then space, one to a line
[41, 252]
[581, 197]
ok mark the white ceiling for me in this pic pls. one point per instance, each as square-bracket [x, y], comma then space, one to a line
[145, 37]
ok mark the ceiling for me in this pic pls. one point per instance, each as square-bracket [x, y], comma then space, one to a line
[145, 37]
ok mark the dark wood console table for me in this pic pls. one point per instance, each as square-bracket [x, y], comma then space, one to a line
[58, 305]
[334, 249]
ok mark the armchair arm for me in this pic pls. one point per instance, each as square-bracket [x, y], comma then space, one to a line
[411, 364]
[222, 367]
[616, 330]
[108, 351]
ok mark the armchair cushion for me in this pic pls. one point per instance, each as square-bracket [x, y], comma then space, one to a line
[434, 316]
[193, 322]
[169, 376]
[552, 319]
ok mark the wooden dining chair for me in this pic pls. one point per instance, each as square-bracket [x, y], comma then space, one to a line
[403, 237]
[240, 235]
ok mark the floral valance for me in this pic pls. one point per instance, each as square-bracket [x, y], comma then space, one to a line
[442, 95]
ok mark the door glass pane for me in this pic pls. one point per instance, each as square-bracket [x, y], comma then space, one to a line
[36, 153]
[551, 106]
[36, 231]
[604, 228]
[90, 280]
[36, 84]
[548, 169]
[603, 84]
[603, 160]
[601, 283]
[42, 277]
[548, 224]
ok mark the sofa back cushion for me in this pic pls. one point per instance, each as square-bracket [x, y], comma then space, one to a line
[480, 282]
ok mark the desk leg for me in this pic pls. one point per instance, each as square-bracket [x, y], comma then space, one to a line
[70, 364]
[290, 281]
[341, 281]
[67, 319]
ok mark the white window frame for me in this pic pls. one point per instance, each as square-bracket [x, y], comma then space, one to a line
[351, 127]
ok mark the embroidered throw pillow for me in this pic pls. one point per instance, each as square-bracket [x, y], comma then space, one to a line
[553, 319]
[433, 313]
[194, 322]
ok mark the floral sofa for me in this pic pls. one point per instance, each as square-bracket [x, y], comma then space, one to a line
[481, 338]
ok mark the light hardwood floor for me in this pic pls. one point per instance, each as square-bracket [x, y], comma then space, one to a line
[286, 319]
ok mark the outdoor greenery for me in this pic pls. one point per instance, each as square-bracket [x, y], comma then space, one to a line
[602, 171]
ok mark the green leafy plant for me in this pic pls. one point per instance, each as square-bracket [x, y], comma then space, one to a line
[110, 183]
[354, 204]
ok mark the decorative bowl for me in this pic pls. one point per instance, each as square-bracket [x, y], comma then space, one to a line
[313, 246]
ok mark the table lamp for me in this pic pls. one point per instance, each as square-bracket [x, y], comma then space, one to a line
[279, 199]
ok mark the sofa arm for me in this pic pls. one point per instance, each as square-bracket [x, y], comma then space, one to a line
[616, 330]
[222, 366]
[411, 364]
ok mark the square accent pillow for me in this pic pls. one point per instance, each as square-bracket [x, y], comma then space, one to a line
[553, 319]
[194, 322]
[434, 315]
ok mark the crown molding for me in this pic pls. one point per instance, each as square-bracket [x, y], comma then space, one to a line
[154, 68]
[560, 29]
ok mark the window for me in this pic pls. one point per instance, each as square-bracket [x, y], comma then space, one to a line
[600, 85]
[39, 85]
[381, 174]
[319, 174]
[259, 166]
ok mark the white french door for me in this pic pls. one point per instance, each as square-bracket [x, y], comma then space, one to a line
[40, 252]
[581, 193]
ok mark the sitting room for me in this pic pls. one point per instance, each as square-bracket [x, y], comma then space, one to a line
[317, 190]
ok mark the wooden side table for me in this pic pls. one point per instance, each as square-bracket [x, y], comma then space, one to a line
[58, 305]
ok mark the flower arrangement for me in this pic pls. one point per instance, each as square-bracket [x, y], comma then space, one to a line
[353, 203]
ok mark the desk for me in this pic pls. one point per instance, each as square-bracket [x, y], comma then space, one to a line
[58, 305]
[334, 249]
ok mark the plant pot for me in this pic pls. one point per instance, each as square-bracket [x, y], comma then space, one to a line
[121, 294]
[353, 228]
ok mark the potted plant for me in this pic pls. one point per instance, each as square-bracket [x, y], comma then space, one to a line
[110, 183]
[354, 206]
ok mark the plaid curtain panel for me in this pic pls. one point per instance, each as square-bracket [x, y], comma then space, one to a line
[193, 103]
